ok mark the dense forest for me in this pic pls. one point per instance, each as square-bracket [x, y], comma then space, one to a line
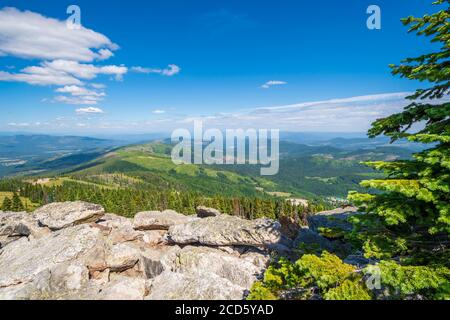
[129, 201]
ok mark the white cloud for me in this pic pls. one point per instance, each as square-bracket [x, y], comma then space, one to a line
[22, 124]
[145, 70]
[78, 100]
[271, 83]
[98, 86]
[362, 99]
[65, 53]
[80, 91]
[353, 114]
[62, 72]
[40, 76]
[30, 35]
[159, 111]
[85, 71]
[171, 70]
[89, 110]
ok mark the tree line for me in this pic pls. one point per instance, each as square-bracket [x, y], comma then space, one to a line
[128, 201]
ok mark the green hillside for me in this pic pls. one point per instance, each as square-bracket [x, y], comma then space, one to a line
[305, 171]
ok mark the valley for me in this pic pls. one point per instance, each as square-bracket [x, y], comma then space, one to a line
[142, 176]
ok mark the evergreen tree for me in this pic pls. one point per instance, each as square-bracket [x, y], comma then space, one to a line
[410, 218]
[17, 204]
[7, 204]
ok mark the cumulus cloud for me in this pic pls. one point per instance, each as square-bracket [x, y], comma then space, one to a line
[30, 35]
[89, 110]
[272, 83]
[67, 55]
[171, 70]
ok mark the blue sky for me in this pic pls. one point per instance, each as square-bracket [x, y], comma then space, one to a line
[146, 66]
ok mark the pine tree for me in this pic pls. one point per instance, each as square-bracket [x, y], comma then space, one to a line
[7, 204]
[17, 204]
[410, 217]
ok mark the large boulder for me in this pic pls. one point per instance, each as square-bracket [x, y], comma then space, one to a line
[22, 260]
[156, 260]
[242, 272]
[14, 225]
[122, 257]
[154, 237]
[124, 288]
[194, 286]
[59, 215]
[226, 230]
[156, 220]
[205, 212]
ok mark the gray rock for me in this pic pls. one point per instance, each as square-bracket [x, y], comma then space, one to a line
[58, 216]
[194, 286]
[226, 230]
[241, 272]
[154, 261]
[122, 257]
[22, 260]
[124, 288]
[154, 237]
[68, 277]
[110, 259]
[156, 220]
[205, 212]
[14, 225]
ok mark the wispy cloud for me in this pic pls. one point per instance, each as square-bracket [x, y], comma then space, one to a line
[89, 110]
[79, 100]
[171, 70]
[41, 77]
[158, 111]
[334, 115]
[272, 83]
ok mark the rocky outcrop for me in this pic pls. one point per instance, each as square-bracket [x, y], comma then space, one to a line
[74, 250]
[57, 216]
[225, 230]
[193, 286]
[14, 225]
[155, 220]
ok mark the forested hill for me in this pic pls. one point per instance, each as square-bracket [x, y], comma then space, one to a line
[309, 171]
